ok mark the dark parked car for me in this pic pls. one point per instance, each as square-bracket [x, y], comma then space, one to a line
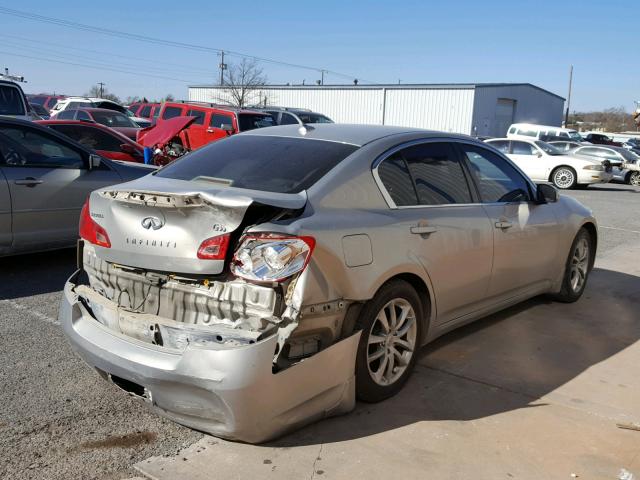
[112, 119]
[104, 140]
[47, 101]
[45, 177]
[600, 139]
[293, 116]
[40, 111]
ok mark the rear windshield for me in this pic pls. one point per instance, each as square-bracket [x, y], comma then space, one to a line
[37, 99]
[112, 119]
[271, 164]
[11, 102]
[250, 121]
[313, 118]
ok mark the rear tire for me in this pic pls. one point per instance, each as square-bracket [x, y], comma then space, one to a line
[564, 178]
[634, 179]
[577, 268]
[391, 325]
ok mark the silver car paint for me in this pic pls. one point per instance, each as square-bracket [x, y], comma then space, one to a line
[465, 269]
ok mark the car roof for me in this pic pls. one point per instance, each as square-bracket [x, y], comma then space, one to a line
[94, 109]
[357, 135]
[213, 106]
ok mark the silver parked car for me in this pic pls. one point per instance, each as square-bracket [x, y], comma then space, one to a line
[624, 162]
[45, 177]
[266, 280]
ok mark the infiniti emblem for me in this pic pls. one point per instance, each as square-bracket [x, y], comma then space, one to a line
[152, 222]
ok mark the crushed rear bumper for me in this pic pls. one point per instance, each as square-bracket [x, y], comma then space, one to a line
[229, 392]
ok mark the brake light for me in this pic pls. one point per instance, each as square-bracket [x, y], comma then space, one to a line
[269, 257]
[90, 230]
[214, 248]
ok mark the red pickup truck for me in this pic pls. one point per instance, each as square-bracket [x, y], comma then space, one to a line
[212, 122]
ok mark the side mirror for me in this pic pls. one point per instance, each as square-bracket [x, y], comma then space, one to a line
[546, 193]
[539, 154]
[126, 148]
[227, 127]
[94, 161]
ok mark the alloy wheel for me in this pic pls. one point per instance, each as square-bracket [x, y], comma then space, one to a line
[563, 178]
[392, 341]
[579, 265]
[634, 179]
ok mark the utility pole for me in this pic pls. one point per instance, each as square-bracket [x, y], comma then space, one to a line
[223, 67]
[101, 89]
[321, 77]
[566, 114]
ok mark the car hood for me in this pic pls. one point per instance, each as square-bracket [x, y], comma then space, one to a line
[163, 131]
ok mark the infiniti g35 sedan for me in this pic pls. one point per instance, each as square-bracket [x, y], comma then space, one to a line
[269, 279]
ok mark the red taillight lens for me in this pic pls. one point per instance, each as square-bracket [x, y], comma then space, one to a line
[90, 230]
[214, 248]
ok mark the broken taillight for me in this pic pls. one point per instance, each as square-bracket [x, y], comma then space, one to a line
[269, 257]
[214, 248]
[90, 230]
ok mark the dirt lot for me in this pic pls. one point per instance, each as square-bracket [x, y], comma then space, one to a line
[535, 392]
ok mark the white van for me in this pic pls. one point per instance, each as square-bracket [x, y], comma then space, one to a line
[530, 131]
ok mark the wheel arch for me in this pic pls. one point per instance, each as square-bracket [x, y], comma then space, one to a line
[593, 233]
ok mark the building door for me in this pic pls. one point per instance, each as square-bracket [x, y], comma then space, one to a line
[505, 110]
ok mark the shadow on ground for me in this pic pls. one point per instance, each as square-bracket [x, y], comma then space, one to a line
[505, 362]
[36, 273]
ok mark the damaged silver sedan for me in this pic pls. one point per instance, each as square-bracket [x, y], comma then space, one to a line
[268, 279]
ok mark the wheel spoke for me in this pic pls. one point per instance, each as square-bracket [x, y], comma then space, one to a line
[402, 361]
[392, 316]
[390, 366]
[382, 318]
[378, 374]
[375, 339]
[407, 326]
[404, 314]
[376, 355]
[397, 342]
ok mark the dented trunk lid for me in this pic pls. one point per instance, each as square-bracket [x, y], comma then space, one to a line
[158, 223]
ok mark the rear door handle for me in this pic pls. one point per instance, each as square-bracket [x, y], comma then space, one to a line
[29, 182]
[504, 224]
[423, 230]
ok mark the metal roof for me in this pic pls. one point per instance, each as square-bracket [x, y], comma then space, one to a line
[399, 86]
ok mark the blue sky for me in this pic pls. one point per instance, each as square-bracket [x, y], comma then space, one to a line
[415, 42]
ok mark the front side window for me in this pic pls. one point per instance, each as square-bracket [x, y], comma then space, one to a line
[394, 175]
[496, 178]
[25, 147]
[82, 115]
[502, 145]
[257, 162]
[522, 148]
[313, 118]
[145, 111]
[11, 102]
[437, 174]
[199, 114]
[90, 137]
[218, 120]
[250, 121]
[66, 115]
[170, 112]
[288, 119]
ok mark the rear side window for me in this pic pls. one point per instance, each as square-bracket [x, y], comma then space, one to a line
[288, 119]
[90, 137]
[11, 101]
[199, 114]
[522, 148]
[145, 111]
[512, 130]
[271, 164]
[502, 145]
[170, 112]
[395, 177]
[527, 133]
[249, 121]
[496, 178]
[66, 115]
[437, 174]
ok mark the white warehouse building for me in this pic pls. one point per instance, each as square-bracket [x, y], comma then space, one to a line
[473, 109]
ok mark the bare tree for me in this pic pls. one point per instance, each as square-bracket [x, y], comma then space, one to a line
[243, 81]
[95, 92]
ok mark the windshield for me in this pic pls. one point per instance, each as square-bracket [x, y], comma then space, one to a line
[313, 118]
[112, 119]
[627, 155]
[11, 101]
[257, 162]
[250, 121]
[575, 136]
[549, 149]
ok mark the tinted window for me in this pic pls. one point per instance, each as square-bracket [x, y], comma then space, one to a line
[145, 111]
[502, 145]
[11, 102]
[37, 99]
[73, 105]
[496, 178]
[527, 133]
[90, 137]
[437, 174]
[512, 130]
[199, 114]
[313, 118]
[249, 121]
[66, 115]
[217, 120]
[31, 148]
[396, 179]
[170, 112]
[112, 119]
[81, 115]
[288, 119]
[522, 148]
[272, 164]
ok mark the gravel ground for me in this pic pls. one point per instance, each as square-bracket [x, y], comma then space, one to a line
[59, 420]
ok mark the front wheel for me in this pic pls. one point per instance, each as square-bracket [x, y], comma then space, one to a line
[577, 268]
[564, 178]
[391, 325]
[634, 179]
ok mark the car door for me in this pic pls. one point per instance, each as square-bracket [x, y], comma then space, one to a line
[448, 234]
[49, 180]
[216, 123]
[6, 237]
[198, 135]
[525, 156]
[525, 234]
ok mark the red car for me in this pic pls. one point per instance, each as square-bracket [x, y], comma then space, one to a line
[47, 101]
[212, 122]
[104, 140]
[110, 118]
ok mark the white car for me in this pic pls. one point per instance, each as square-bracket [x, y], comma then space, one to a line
[543, 162]
[532, 131]
[94, 102]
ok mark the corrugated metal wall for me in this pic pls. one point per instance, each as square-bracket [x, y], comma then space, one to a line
[468, 109]
[532, 105]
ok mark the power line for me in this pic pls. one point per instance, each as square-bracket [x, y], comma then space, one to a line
[159, 41]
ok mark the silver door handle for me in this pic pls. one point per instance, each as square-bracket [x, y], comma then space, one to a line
[210, 130]
[504, 224]
[423, 230]
[29, 182]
